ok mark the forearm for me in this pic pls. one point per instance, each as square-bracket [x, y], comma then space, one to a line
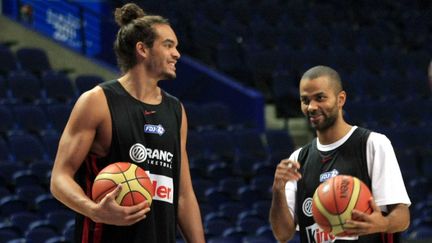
[69, 193]
[189, 218]
[281, 221]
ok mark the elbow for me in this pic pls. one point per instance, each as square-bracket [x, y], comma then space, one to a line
[53, 186]
[281, 239]
[281, 235]
[407, 223]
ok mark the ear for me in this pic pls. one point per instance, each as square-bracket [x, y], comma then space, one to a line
[341, 98]
[141, 49]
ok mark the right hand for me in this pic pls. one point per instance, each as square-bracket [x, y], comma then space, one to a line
[286, 170]
[108, 211]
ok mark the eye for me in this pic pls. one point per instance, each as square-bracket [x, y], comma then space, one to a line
[305, 101]
[320, 97]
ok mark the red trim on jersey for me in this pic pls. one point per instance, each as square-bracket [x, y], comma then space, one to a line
[387, 238]
[91, 165]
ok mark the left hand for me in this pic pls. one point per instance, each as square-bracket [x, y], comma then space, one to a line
[364, 224]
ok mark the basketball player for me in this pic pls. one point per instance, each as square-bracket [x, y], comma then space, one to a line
[131, 119]
[340, 148]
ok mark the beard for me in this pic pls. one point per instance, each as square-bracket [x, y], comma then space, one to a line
[158, 66]
[329, 119]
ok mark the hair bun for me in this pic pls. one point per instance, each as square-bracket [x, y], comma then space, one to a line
[127, 13]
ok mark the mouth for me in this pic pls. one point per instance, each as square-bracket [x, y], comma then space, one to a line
[172, 65]
[314, 118]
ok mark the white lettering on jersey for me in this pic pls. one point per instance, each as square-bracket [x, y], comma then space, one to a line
[138, 153]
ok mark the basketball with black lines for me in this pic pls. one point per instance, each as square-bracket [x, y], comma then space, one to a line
[334, 200]
[136, 184]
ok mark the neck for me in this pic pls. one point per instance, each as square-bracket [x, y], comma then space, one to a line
[141, 86]
[334, 133]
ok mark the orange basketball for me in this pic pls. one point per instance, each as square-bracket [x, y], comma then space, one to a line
[136, 184]
[334, 200]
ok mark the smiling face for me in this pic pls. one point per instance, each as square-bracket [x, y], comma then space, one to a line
[163, 55]
[321, 102]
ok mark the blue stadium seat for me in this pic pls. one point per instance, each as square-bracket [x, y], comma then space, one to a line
[258, 239]
[244, 166]
[86, 82]
[219, 145]
[9, 168]
[5, 154]
[8, 235]
[58, 87]
[216, 115]
[200, 186]
[7, 123]
[12, 204]
[4, 91]
[25, 178]
[4, 191]
[58, 114]
[69, 230]
[224, 239]
[60, 218]
[40, 235]
[196, 117]
[33, 59]
[285, 93]
[231, 184]
[215, 196]
[8, 61]
[229, 59]
[280, 143]
[250, 224]
[9, 231]
[250, 143]
[46, 203]
[58, 239]
[42, 169]
[26, 147]
[235, 232]
[263, 182]
[195, 146]
[31, 118]
[29, 193]
[218, 170]
[421, 233]
[25, 87]
[23, 219]
[266, 231]
[215, 227]
[51, 140]
[262, 208]
[231, 209]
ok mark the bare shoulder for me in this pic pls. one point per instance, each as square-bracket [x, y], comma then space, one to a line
[91, 106]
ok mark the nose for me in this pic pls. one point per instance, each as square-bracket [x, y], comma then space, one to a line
[176, 54]
[312, 106]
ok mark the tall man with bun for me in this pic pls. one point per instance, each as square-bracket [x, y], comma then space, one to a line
[131, 119]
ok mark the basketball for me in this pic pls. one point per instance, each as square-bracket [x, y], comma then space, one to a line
[136, 184]
[334, 200]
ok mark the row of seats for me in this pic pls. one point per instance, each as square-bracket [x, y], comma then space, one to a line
[51, 87]
[32, 118]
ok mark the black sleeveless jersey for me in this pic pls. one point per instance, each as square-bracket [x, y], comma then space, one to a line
[318, 166]
[149, 136]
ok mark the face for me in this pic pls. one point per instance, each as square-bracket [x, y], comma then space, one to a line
[163, 56]
[319, 102]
